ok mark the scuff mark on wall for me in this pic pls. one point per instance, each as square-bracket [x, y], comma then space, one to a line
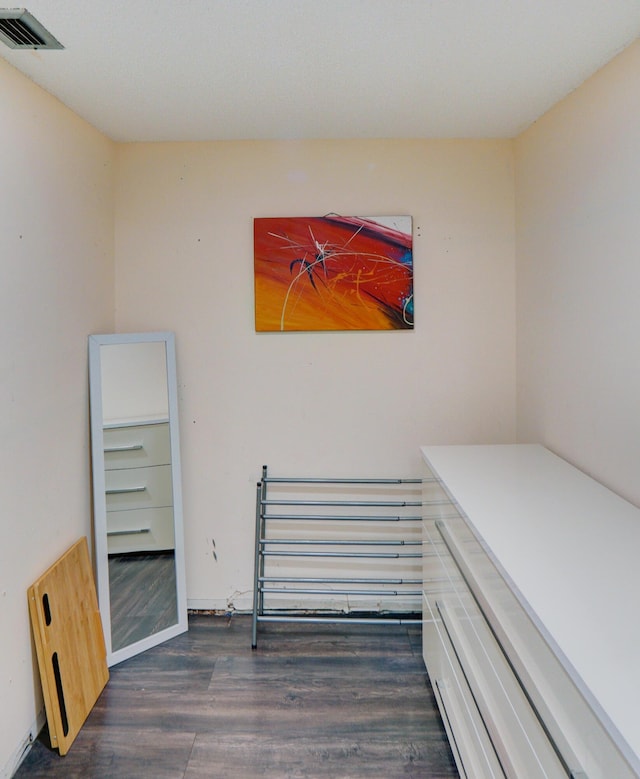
[237, 594]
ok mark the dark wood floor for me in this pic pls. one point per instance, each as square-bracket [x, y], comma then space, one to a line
[313, 701]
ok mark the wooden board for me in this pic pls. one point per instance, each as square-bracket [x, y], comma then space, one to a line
[69, 641]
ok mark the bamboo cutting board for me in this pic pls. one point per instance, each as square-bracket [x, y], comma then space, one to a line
[69, 641]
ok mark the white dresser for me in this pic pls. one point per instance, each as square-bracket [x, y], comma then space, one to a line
[531, 636]
[139, 495]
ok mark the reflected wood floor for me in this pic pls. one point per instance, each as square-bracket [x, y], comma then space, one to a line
[142, 591]
[312, 701]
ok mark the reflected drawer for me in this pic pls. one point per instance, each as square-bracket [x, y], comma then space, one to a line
[136, 488]
[140, 530]
[136, 446]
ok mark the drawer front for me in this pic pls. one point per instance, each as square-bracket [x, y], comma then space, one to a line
[140, 530]
[516, 733]
[472, 749]
[137, 488]
[486, 703]
[580, 737]
[471, 745]
[461, 652]
[138, 446]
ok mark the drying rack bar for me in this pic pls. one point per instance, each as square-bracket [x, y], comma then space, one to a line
[311, 591]
[336, 580]
[343, 517]
[320, 480]
[367, 503]
[340, 620]
[371, 555]
[344, 542]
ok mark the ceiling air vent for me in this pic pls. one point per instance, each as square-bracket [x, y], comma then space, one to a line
[19, 30]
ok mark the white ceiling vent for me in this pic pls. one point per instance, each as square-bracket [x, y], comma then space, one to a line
[19, 30]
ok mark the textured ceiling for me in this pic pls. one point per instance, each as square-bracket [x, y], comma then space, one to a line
[148, 70]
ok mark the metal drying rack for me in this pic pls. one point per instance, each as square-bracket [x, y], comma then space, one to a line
[344, 515]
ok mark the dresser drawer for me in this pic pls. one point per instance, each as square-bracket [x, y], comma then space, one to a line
[136, 488]
[474, 676]
[570, 722]
[517, 734]
[471, 746]
[140, 530]
[137, 446]
[548, 555]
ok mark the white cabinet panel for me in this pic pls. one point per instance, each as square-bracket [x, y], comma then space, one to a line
[472, 748]
[541, 715]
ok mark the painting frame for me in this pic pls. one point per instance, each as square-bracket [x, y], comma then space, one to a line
[333, 272]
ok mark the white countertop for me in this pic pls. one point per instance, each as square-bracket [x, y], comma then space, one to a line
[571, 547]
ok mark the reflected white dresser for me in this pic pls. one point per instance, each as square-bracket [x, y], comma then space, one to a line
[531, 635]
[139, 496]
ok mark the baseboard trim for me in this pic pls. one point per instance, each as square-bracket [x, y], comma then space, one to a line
[22, 750]
[245, 605]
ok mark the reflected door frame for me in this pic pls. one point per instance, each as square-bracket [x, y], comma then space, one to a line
[99, 490]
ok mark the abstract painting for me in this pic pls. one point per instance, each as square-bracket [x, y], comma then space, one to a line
[333, 273]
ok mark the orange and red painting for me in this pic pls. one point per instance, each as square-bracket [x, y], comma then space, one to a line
[333, 273]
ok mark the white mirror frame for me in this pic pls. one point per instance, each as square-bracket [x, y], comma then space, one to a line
[99, 499]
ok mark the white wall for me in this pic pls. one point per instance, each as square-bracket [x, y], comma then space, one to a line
[314, 404]
[578, 270]
[134, 382]
[56, 255]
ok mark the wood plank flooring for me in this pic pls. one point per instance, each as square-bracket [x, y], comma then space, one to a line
[312, 701]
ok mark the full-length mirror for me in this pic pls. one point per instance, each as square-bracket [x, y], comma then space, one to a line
[137, 491]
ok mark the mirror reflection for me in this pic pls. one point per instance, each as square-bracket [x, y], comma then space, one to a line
[136, 491]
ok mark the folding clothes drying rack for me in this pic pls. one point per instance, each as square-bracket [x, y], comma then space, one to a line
[352, 542]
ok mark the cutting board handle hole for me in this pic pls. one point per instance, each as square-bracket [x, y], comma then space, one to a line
[60, 691]
[47, 609]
